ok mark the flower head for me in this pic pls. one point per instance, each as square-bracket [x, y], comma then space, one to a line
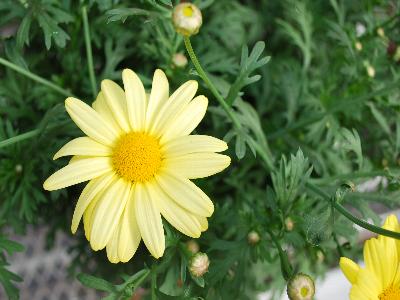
[301, 287]
[253, 237]
[138, 156]
[380, 278]
[199, 264]
[179, 60]
[187, 19]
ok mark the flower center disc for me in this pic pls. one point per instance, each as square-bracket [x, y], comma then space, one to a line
[390, 293]
[136, 156]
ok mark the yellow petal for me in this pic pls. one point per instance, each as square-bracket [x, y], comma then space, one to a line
[203, 222]
[135, 99]
[101, 107]
[112, 247]
[368, 286]
[129, 236]
[158, 96]
[349, 268]
[108, 212]
[186, 121]
[77, 172]
[149, 220]
[197, 165]
[186, 194]
[193, 144]
[90, 121]
[93, 188]
[116, 101]
[180, 218]
[83, 146]
[88, 215]
[173, 107]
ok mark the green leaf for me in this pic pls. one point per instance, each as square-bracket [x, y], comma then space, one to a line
[10, 246]
[23, 31]
[352, 142]
[95, 282]
[198, 280]
[290, 178]
[248, 64]
[121, 14]
[380, 118]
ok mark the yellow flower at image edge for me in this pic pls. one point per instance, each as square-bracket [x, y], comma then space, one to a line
[380, 278]
[139, 157]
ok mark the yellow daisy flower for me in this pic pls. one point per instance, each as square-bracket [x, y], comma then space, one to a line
[139, 157]
[380, 278]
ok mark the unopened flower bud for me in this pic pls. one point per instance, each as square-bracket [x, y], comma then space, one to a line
[253, 237]
[187, 19]
[320, 256]
[301, 287]
[380, 32]
[199, 264]
[289, 224]
[179, 60]
[370, 70]
[396, 55]
[358, 46]
[360, 29]
[193, 246]
[18, 169]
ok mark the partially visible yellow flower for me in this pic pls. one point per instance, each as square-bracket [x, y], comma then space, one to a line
[139, 157]
[380, 278]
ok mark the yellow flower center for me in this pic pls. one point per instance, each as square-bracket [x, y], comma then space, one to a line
[136, 156]
[188, 11]
[304, 291]
[390, 293]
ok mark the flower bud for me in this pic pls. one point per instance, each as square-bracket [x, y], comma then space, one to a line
[380, 32]
[187, 19]
[358, 46]
[370, 69]
[198, 264]
[179, 60]
[193, 246]
[18, 169]
[253, 237]
[301, 287]
[289, 224]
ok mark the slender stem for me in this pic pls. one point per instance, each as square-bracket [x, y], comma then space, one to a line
[89, 54]
[287, 269]
[264, 153]
[349, 176]
[210, 85]
[18, 138]
[34, 77]
[27, 135]
[153, 282]
[354, 219]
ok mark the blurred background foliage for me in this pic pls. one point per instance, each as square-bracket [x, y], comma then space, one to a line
[327, 104]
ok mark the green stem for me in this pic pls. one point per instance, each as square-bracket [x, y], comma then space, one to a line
[89, 54]
[287, 269]
[349, 176]
[27, 135]
[354, 219]
[20, 137]
[264, 154]
[34, 77]
[153, 282]
[210, 85]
